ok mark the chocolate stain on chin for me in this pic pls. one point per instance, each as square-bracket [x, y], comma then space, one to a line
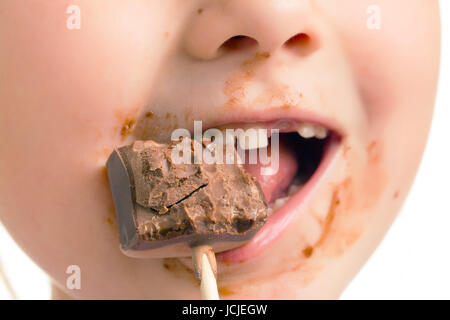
[179, 270]
[225, 290]
[308, 251]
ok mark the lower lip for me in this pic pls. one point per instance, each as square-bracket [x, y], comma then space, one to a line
[282, 218]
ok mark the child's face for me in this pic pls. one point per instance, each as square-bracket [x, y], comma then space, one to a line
[138, 69]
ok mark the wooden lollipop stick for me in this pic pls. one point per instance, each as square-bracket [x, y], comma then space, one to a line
[205, 268]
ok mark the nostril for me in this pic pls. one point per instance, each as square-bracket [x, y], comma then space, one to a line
[238, 43]
[302, 44]
[301, 39]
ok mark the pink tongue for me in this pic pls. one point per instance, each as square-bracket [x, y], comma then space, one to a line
[275, 185]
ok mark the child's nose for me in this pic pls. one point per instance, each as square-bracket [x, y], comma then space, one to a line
[266, 25]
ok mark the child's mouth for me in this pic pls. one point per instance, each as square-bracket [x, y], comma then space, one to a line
[306, 150]
[305, 146]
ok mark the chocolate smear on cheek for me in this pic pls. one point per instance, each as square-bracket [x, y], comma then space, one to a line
[148, 126]
[127, 128]
[126, 121]
[352, 201]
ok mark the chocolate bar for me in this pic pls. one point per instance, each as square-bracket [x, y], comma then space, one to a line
[166, 207]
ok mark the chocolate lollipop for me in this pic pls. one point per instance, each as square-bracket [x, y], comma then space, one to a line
[166, 208]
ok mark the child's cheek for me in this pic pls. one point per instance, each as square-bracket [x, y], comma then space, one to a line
[90, 81]
[387, 43]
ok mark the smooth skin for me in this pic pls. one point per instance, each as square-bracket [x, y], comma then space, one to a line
[137, 69]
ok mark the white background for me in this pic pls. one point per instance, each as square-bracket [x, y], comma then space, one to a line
[413, 261]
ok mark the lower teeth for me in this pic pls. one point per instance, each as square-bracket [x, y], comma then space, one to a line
[277, 204]
[293, 189]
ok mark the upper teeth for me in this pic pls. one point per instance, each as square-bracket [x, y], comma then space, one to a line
[309, 130]
[253, 138]
[256, 137]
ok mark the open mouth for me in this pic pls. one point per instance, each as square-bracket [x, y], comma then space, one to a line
[306, 150]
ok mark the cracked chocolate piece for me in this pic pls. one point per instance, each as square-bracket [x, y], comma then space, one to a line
[164, 207]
